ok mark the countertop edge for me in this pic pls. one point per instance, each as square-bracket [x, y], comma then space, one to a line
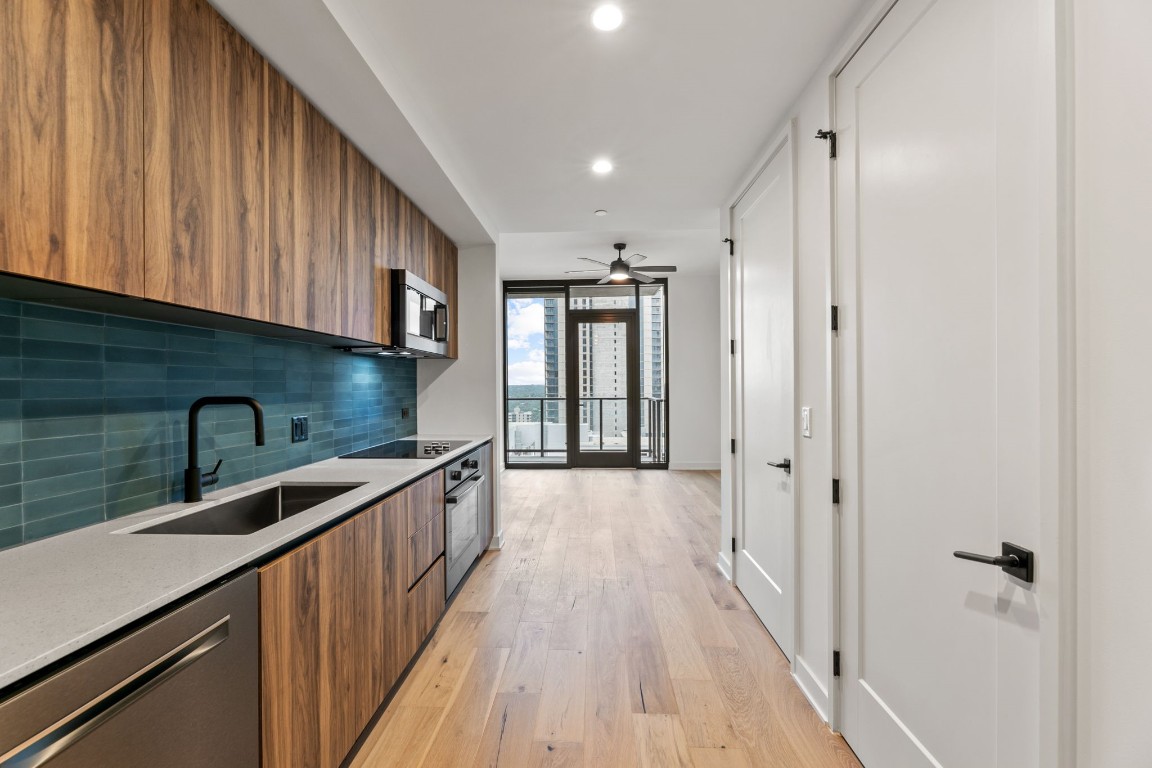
[17, 671]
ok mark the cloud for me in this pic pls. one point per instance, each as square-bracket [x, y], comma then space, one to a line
[536, 355]
[526, 372]
[525, 321]
[518, 344]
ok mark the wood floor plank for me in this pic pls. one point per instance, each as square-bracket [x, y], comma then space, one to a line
[702, 713]
[683, 652]
[456, 740]
[507, 740]
[719, 758]
[403, 741]
[556, 754]
[561, 713]
[570, 623]
[660, 742]
[525, 670]
[648, 681]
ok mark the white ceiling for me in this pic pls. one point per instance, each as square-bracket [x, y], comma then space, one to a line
[500, 106]
[550, 254]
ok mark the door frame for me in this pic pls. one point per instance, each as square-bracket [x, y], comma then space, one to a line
[784, 141]
[629, 458]
[1057, 554]
[513, 287]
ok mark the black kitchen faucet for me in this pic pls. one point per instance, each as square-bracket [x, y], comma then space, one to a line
[194, 481]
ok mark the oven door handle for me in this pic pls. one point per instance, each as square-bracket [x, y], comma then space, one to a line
[455, 498]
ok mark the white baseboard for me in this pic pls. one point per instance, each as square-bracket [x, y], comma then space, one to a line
[817, 694]
[698, 466]
[725, 565]
[497, 541]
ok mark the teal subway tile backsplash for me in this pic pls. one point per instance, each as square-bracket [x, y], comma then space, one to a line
[93, 411]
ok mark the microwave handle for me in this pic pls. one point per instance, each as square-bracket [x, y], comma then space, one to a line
[440, 323]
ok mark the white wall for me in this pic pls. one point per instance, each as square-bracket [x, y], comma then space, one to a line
[1114, 315]
[813, 462]
[693, 376]
[463, 396]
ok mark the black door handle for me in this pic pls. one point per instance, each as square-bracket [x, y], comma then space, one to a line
[785, 464]
[1013, 560]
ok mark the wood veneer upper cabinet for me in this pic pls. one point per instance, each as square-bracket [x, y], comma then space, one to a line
[305, 188]
[328, 638]
[205, 158]
[71, 204]
[365, 305]
[452, 288]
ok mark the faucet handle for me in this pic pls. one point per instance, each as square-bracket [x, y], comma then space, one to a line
[212, 477]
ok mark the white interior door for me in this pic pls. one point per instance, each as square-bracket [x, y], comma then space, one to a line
[939, 289]
[765, 540]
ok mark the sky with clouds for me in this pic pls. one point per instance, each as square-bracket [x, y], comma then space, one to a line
[526, 341]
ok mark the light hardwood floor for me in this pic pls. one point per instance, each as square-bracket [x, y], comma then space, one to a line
[602, 635]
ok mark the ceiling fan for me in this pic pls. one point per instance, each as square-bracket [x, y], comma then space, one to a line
[622, 268]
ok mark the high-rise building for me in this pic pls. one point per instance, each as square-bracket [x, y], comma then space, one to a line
[603, 373]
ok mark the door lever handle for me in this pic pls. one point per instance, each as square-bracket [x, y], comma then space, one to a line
[785, 464]
[1013, 560]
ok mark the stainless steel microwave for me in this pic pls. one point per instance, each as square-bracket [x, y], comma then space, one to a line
[419, 316]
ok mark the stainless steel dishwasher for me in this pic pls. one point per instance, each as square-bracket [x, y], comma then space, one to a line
[181, 692]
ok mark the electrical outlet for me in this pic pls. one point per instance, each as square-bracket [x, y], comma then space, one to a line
[403, 413]
[299, 429]
[806, 421]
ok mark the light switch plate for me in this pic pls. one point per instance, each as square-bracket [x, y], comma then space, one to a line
[806, 421]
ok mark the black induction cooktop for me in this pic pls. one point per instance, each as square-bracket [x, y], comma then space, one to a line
[408, 449]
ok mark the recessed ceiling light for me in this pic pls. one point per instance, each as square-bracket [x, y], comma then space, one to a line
[602, 166]
[607, 18]
[601, 212]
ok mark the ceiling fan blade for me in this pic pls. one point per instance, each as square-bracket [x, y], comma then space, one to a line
[601, 263]
[641, 277]
[635, 259]
[582, 271]
[656, 269]
[607, 279]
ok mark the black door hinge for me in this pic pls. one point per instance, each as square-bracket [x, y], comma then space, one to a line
[733, 445]
[830, 137]
[733, 543]
[835, 317]
[835, 491]
[835, 663]
[733, 346]
[731, 246]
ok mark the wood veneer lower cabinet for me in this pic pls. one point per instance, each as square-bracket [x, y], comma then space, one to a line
[323, 635]
[425, 604]
[338, 625]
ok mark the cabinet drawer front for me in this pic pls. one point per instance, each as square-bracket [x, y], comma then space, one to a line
[425, 604]
[424, 547]
[425, 501]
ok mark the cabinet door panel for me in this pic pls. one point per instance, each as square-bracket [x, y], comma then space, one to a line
[205, 211]
[425, 605]
[290, 665]
[451, 287]
[71, 145]
[397, 652]
[365, 242]
[424, 547]
[319, 265]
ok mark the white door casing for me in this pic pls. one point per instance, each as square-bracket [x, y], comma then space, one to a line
[944, 335]
[763, 224]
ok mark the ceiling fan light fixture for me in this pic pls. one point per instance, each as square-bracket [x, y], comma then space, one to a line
[607, 17]
[619, 271]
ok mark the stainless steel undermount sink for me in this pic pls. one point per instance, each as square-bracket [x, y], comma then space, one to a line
[253, 512]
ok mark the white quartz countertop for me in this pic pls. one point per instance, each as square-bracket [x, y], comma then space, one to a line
[61, 594]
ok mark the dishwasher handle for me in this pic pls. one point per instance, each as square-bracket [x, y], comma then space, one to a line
[69, 729]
